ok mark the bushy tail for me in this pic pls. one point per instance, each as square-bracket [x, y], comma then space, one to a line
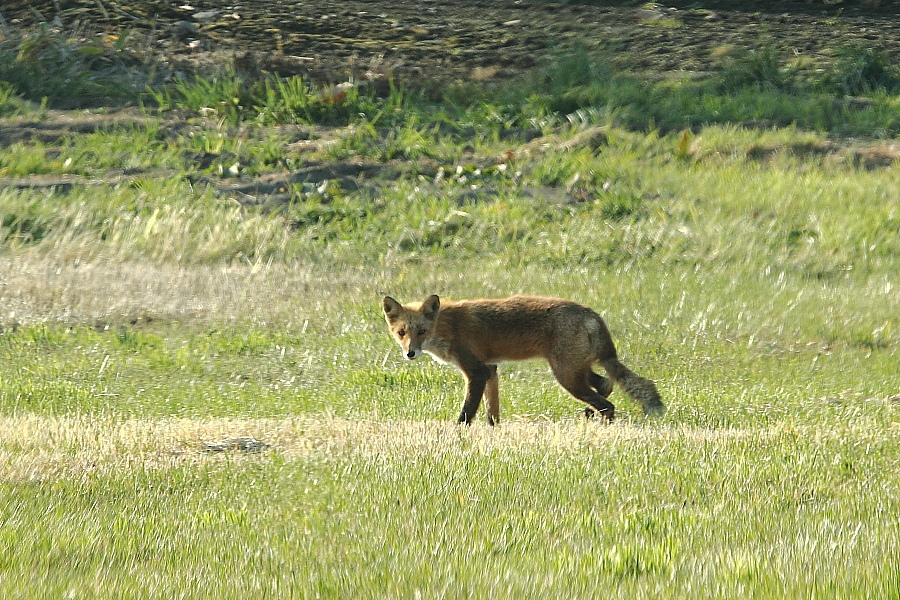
[641, 389]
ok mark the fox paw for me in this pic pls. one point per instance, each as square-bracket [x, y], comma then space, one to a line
[607, 414]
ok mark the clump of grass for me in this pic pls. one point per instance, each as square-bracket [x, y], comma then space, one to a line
[28, 159]
[410, 141]
[25, 220]
[105, 152]
[862, 71]
[10, 102]
[224, 96]
[235, 99]
[296, 100]
[762, 67]
[71, 67]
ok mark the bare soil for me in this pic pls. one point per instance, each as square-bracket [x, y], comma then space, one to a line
[441, 40]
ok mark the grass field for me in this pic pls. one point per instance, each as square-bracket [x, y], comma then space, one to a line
[148, 326]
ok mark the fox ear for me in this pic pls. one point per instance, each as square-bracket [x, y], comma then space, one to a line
[431, 307]
[391, 309]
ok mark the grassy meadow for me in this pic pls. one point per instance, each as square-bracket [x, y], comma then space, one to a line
[147, 325]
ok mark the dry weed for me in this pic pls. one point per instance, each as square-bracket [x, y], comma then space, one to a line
[40, 448]
[38, 290]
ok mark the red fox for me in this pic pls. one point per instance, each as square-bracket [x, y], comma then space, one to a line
[475, 335]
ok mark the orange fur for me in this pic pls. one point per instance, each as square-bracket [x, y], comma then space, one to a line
[475, 335]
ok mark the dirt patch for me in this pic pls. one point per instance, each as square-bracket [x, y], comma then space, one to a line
[864, 155]
[431, 40]
[53, 127]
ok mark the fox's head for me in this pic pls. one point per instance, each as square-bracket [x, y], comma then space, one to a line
[412, 326]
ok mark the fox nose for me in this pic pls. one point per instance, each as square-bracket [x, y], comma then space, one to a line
[412, 354]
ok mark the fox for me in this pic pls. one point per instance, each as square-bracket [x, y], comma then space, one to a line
[475, 335]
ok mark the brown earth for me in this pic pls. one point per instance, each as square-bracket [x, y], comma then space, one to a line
[458, 39]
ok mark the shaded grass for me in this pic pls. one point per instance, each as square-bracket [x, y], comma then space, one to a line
[45, 63]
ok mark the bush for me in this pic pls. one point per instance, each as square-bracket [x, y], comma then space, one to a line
[46, 63]
[862, 70]
[761, 67]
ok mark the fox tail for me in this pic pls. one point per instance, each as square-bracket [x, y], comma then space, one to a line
[641, 389]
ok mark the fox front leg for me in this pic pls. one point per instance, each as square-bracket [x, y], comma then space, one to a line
[477, 376]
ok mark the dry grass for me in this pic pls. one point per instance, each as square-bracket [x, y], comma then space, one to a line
[37, 290]
[39, 448]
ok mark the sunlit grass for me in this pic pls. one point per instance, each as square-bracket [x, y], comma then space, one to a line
[372, 508]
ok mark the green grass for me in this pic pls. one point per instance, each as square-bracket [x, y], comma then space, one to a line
[47, 63]
[763, 93]
[750, 271]
[123, 149]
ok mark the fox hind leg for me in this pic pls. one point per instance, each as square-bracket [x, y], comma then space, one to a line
[600, 405]
[492, 397]
[579, 383]
[603, 385]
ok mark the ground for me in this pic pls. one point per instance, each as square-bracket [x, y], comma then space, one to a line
[460, 39]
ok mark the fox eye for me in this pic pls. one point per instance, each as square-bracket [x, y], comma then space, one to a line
[421, 332]
[401, 333]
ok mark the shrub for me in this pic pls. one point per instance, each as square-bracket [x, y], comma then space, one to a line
[47, 63]
[862, 70]
[761, 67]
